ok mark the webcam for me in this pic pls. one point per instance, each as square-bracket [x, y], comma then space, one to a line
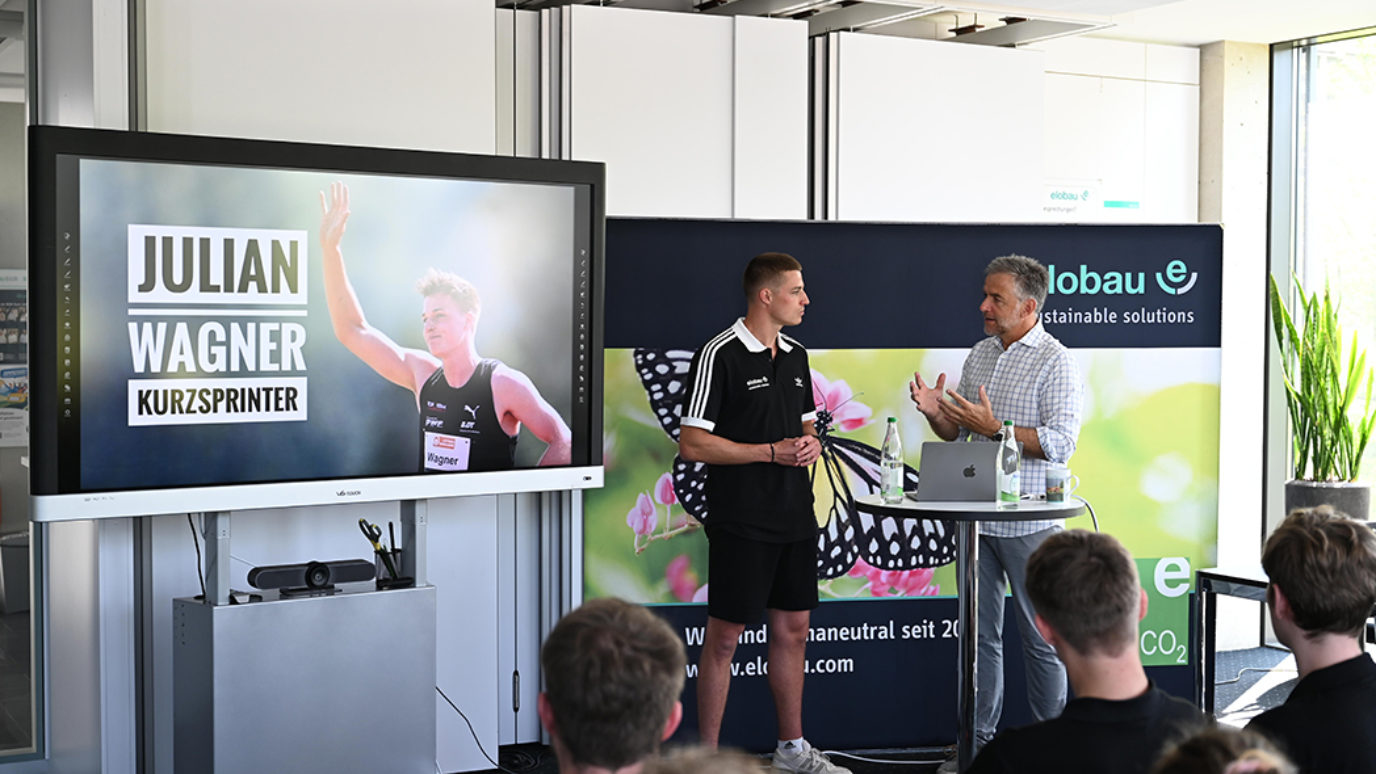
[311, 577]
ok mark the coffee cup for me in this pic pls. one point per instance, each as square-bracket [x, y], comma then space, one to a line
[1060, 483]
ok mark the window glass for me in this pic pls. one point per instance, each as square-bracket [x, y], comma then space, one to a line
[1336, 187]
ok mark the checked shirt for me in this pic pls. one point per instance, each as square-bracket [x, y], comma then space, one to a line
[1036, 383]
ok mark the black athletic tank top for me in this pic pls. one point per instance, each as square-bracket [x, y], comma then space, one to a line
[459, 429]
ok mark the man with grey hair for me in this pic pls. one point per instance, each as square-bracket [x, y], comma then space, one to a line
[1019, 373]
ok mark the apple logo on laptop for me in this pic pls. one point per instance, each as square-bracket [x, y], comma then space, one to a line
[969, 471]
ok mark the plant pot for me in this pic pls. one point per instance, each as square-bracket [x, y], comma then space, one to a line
[1348, 497]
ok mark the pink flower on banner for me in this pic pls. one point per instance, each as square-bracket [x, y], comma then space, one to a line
[896, 583]
[664, 490]
[915, 583]
[644, 517]
[701, 594]
[683, 582]
[847, 414]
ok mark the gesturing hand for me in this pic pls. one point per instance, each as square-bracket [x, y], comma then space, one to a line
[927, 399]
[975, 417]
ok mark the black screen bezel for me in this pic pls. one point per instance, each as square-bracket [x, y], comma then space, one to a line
[54, 152]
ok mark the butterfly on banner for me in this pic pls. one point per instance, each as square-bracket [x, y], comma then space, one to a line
[846, 464]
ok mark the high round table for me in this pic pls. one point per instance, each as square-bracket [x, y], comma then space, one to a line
[967, 516]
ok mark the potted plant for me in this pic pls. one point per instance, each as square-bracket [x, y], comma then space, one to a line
[1322, 380]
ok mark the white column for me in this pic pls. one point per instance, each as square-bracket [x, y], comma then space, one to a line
[1233, 134]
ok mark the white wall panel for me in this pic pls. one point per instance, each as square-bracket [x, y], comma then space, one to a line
[1172, 64]
[463, 569]
[937, 131]
[415, 73]
[1121, 146]
[1095, 56]
[770, 130]
[1103, 58]
[1135, 143]
[1071, 133]
[651, 96]
[1170, 190]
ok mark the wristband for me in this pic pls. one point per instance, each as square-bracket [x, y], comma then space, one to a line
[771, 454]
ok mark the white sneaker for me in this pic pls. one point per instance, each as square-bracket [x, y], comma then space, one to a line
[805, 759]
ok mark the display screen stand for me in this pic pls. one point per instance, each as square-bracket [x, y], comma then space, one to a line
[340, 682]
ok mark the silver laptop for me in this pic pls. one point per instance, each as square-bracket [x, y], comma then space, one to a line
[958, 470]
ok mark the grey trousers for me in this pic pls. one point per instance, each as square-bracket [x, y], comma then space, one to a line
[1003, 560]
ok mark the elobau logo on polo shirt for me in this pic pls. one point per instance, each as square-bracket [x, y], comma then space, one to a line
[757, 383]
[1176, 279]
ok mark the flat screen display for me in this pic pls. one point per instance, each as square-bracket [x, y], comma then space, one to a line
[221, 324]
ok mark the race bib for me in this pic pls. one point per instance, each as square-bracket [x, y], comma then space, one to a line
[446, 453]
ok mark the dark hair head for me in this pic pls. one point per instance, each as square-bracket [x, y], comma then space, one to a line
[613, 672]
[1029, 276]
[1217, 750]
[1084, 584]
[1326, 564]
[764, 270]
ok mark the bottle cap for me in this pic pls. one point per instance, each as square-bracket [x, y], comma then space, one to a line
[893, 419]
[1007, 422]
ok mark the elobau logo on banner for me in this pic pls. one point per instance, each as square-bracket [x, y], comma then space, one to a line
[1176, 279]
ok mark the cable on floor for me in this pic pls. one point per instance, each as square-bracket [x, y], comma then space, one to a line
[497, 765]
[885, 761]
[1253, 669]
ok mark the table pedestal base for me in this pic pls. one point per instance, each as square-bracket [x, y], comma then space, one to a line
[967, 572]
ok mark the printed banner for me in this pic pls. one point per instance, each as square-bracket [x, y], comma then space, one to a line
[1137, 305]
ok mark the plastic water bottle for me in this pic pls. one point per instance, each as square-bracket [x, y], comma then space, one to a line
[1010, 479]
[891, 465]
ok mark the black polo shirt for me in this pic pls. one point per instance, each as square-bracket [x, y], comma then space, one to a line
[1328, 725]
[1094, 736]
[737, 391]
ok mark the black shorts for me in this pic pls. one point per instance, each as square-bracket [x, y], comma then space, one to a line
[747, 576]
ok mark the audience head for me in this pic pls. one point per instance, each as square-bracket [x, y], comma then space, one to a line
[1219, 750]
[1324, 565]
[613, 675]
[701, 760]
[1084, 587]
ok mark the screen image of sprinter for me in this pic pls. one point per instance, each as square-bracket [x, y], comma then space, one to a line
[198, 343]
[472, 408]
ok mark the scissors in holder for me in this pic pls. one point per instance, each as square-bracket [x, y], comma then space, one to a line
[374, 534]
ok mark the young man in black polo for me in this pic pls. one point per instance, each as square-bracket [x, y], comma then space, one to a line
[1322, 568]
[1088, 602]
[748, 414]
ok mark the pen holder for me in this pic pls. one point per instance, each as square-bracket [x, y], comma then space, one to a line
[384, 577]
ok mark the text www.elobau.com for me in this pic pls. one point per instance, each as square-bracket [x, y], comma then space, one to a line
[758, 667]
